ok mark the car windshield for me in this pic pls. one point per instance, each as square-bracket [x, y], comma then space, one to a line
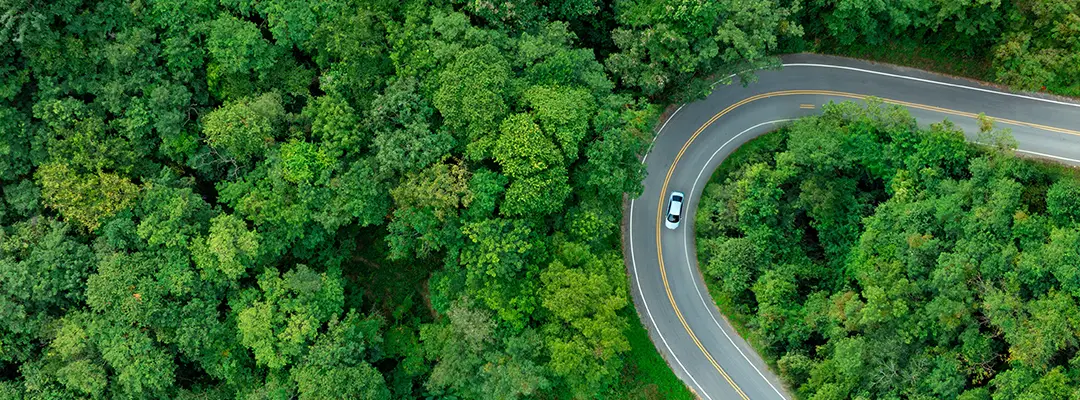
[676, 198]
[673, 218]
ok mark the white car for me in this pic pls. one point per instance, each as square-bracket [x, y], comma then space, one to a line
[674, 210]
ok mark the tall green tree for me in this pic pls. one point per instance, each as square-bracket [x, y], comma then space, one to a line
[667, 45]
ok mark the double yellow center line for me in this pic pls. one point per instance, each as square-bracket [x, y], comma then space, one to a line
[671, 170]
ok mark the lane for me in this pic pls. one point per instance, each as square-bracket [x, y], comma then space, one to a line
[701, 347]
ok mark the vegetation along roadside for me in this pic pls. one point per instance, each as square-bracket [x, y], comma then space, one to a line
[374, 199]
[865, 257]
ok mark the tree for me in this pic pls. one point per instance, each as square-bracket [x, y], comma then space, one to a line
[563, 114]
[350, 44]
[849, 20]
[335, 124]
[467, 342]
[229, 248]
[237, 50]
[23, 199]
[1062, 257]
[142, 367]
[1023, 383]
[72, 363]
[302, 197]
[734, 261]
[548, 57]
[1063, 202]
[539, 182]
[42, 269]
[304, 163]
[285, 316]
[486, 187]
[458, 346]
[337, 366]
[85, 199]
[291, 22]
[522, 148]
[444, 188]
[170, 213]
[428, 202]
[15, 145]
[611, 163]
[1038, 46]
[471, 97]
[81, 139]
[585, 294]
[404, 141]
[1037, 331]
[666, 44]
[500, 267]
[244, 129]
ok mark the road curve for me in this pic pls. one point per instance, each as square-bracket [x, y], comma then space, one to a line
[672, 301]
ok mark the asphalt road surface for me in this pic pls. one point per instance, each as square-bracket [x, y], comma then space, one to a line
[683, 322]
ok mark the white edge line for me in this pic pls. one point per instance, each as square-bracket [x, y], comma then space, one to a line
[912, 78]
[637, 276]
[1047, 155]
[671, 117]
[657, 136]
[686, 249]
[686, 253]
[645, 302]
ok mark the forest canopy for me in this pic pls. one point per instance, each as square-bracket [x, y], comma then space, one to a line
[283, 199]
[369, 198]
[874, 259]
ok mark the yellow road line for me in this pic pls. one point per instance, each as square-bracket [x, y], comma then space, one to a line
[806, 106]
[686, 326]
[938, 109]
[671, 170]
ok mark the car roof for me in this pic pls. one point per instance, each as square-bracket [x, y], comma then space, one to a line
[676, 210]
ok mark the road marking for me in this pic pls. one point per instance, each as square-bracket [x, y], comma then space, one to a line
[931, 81]
[972, 115]
[637, 276]
[912, 78]
[660, 249]
[1048, 155]
[806, 106]
[678, 313]
[649, 150]
[678, 157]
[686, 251]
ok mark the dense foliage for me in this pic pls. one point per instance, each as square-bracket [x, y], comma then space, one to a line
[1028, 44]
[367, 198]
[335, 199]
[873, 259]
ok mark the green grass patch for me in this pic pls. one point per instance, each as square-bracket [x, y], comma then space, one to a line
[930, 58]
[646, 375]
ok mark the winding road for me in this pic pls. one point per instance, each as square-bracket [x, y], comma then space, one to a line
[683, 322]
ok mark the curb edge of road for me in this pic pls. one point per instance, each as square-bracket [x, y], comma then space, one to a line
[928, 74]
[624, 229]
[635, 298]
